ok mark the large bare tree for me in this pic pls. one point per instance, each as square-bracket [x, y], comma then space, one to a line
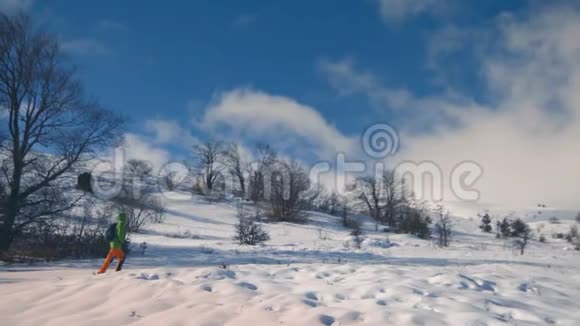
[289, 191]
[237, 166]
[371, 195]
[50, 126]
[382, 198]
[394, 197]
[209, 162]
[266, 157]
[137, 197]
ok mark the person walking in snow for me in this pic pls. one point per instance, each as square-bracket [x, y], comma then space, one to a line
[116, 235]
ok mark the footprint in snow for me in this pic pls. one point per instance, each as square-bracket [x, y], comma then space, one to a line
[352, 316]
[147, 277]
[326, 320]
[310, 303]
[248, 286]
[529, 287]
[218, 275]
[477, 284]
[312, 296]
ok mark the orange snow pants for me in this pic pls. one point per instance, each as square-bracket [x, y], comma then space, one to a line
[113, 253]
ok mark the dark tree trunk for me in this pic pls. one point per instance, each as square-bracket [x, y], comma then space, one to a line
[242, 186]
[7, 226]
[6, 238]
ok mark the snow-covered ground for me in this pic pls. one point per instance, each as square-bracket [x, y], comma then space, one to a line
[306, 275]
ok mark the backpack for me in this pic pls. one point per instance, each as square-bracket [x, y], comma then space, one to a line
[111, 233]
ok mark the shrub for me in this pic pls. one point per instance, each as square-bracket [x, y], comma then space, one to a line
[140, 210]
[185, 235]
[443, 228]
[49, 242]
[543, 239]
[416, 222]
[523, 233]
[504, 228]
[248, 231]
[486, 223]
[518, 227]
[352, 223]
[143, 246]
[357, 237]
[322, 235]
[572, 234]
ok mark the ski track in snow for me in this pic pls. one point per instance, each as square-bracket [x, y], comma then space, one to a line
[299, 279]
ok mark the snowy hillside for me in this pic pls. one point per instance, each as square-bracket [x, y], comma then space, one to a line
[306, 275]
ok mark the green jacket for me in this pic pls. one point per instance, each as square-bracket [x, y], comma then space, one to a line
[121, 233]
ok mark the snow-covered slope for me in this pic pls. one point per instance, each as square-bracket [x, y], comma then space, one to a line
[306, 275]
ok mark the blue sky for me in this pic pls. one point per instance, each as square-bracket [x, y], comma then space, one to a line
[166, 61]
[492, 82]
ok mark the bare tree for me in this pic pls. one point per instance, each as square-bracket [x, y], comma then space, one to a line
[382, 197]
[139, 169]
[289, 194]
[136, 174]
[237, 166]
[394, 197]
[266, 157]
[414, 219]
[370, 194]
[347, 220]
[47, 112]
[330, 203]
[137, 199]
[443, 227]
[168, 180]
[357, 235]
[210, 162]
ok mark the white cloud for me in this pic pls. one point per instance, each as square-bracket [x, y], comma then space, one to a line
[137, 147]
[275, 119]
[347, 80]
[527, 144]
[527, 140]
[343, 77]
[134, 146]
[396, 11]
[169, 131]
[85, 47]
[13, 6]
